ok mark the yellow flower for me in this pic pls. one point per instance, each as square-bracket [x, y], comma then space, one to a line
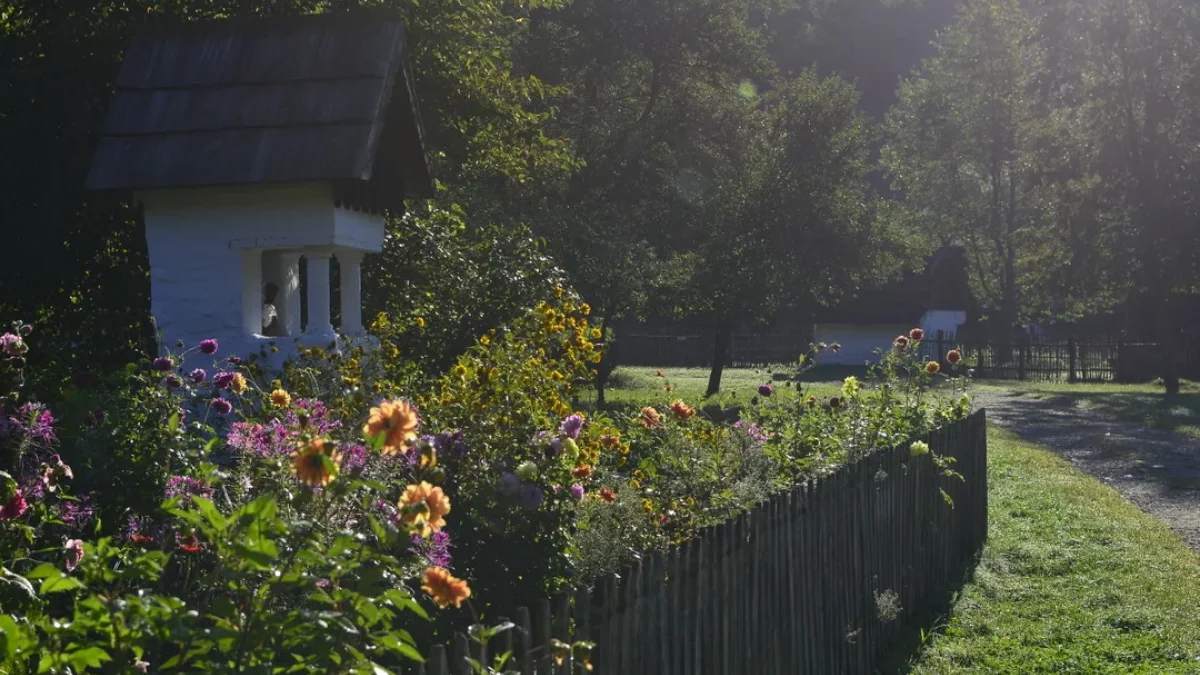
[420, 322]
[310, 466]
[932, 367]
[585, 309]
[460, 371]
[558, 291]
[398, 421]
[485, 340]
[280, 398]
[431, 506]
[444, 588]
[597, 334]
[238, 384]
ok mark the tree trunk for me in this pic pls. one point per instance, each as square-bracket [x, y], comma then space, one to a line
[721, 338]
[1168, 344]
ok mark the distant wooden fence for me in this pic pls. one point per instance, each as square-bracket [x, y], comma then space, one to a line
[817, 580]
[1071, 360]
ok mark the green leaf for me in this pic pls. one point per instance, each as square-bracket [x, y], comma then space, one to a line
[173, 424]
[89, 657]
[59, 584]
[10, 637]
[43, 571]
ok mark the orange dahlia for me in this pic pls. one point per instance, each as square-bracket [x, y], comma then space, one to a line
[316, 463]
[953, 356]
[607, 496]
[682, 410]
[424, 508]
[582, 471]
[916, 335]
[398, 421]
[650, 418]
[444, 588]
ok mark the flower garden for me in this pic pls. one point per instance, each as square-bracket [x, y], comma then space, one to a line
[344, 513]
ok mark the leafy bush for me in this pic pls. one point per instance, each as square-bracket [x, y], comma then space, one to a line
[247, 529]
[233, 519]
[686, 471]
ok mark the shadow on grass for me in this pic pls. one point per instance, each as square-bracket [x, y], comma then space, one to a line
[929, 621]
[1179, 413]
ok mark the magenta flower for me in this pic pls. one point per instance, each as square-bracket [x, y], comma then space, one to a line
[354, 457]
[35, 422]
[74, 550]
[222, 380]
[577, 491]
[186, 487]
[76, 515]
[15, 507]
[198, 376]
[163, 364]
[435, 550]
[208, 346]
[765, 389]
[12, 345]
[571, 426]
[172, 382]
[221, 406]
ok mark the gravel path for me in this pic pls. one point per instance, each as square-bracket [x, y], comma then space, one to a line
[1157, 470]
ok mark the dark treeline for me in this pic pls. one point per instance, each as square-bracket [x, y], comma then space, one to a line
[723, 159]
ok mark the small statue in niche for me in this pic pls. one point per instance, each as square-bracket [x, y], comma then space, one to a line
[270, 316]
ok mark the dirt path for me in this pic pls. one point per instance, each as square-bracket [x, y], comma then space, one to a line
[1157, 470]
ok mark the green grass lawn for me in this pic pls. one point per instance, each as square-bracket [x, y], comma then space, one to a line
[1074, 579]
[1141, 403]
[632, 386]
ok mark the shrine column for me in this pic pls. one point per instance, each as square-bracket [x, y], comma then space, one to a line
[318, 293]
[350, 262]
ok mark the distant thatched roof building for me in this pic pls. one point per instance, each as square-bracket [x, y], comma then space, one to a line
[323, 97]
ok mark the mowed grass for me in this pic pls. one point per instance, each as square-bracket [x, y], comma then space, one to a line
[1144, 404]
[633, 386]
[1074, 579]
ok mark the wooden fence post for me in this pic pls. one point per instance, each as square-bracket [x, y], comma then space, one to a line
[1071, 359]
[1021, 359]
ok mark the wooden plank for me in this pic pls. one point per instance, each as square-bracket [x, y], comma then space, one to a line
[525, 655]
[542, 618]
[437, 664]
[163, 111]
[232, 157]
[275, 50]
[562, 627]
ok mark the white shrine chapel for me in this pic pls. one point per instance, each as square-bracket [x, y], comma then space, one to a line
[252, 146]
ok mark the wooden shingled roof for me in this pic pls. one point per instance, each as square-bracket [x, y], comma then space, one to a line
[322, 98]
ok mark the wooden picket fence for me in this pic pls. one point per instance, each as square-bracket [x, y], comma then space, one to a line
[818, 580]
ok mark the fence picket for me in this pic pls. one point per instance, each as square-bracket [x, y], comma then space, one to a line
[792, 586]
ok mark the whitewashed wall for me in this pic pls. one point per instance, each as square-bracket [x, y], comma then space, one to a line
[205, 249]
[859, 342]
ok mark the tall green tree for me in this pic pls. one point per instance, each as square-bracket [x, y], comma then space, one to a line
[962, 146]
[634, 78]
[788, 223]
[1129, 67]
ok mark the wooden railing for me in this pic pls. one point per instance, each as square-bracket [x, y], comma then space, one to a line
[817, 580]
